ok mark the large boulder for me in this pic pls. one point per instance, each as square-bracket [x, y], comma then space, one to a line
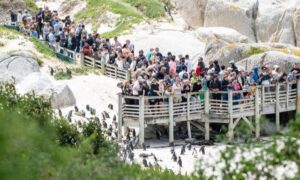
[276, 19]
[16, 66]
[224, 52]
[59, 93]
[296, 22]
[192, 11]
[208, 34]
[270, 58]
[237, 14]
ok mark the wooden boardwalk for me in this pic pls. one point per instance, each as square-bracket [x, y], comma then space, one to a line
[201, 112]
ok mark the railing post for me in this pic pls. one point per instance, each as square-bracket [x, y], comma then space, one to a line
[116, 72]
[262, 97]
[230, 112]
[128, 75]
[65, 52]
[141, 120]
[81, 59]
[188, 116]
[287, 96]
[277, 107]
[257, 114]
[103, 67]
[298, 97]
[120, 112]
[206, 112]
[94, 62]
[171, 121]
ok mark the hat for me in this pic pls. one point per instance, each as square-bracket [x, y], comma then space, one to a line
[231, 61]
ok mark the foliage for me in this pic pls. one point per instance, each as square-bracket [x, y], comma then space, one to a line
[30, 4]
[254, 50]
[276, 158]
[42, 48]
[151, 8]
[35, 145]
[63, 75]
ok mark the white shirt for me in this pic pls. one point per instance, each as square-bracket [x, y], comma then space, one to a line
[136, 87]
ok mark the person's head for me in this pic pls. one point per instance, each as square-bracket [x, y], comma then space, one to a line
[216, 62]
[140, 79]
[187, 57]
[141, 52]
[127, 41]
[156, 49]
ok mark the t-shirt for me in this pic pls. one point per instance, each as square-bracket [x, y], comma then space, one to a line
[197, 87]
[175, 86]
[154, 87]
[136, 88]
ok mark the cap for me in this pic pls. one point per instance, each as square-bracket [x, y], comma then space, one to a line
[231, 61]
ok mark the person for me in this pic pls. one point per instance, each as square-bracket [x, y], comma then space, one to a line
[233, 66]
[176, 88]
[215, 86]
[13, 16]
[87, 50]
[158, 53]
[117, 44]
[189, 64]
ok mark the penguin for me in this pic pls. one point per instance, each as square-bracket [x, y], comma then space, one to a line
[76, 108]
[106, 114]
[87, 107]
[189, 146]
[145, 162]
[60, 113]
[104, 124]
[179, 162]
[144, 146]
[114, 118]
[70, 116]
[202, 149]
[110, 106]
[133, 133]
[174, 157]
[182, 150]
[131, 156]
[51, 71]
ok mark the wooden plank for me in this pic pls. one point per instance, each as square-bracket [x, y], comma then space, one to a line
[171, 121]
[141, 121]
[277, 108]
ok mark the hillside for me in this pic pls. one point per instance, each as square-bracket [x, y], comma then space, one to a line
[6, 5]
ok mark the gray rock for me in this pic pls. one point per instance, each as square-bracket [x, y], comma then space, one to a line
[270, 58]
[237, 14]
[59, 93]
[16, 66]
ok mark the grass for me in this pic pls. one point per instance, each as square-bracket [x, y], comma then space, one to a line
[62, 76]
[30, 4]
[42, 48]
[130, 11]
[150, 8]
[254, 50]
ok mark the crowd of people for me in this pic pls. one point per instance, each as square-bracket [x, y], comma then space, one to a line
[155, 73]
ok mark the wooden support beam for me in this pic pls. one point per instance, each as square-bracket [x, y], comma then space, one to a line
[257, 113]
[298, 97]
[236, 122]
[189, 116]
[171, 121]
[206, 116]
[141, 120]
[82, 59]
[249, 123]
[277, 107]
[120, 116]
[230, 112]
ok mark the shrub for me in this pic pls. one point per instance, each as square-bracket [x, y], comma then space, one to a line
[63, 75]
[254, 50]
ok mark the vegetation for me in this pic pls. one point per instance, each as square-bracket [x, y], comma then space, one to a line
[63, 75]
[130, 12]
[150, 8]
[254, 50]
[30, 4]
[36, 145]
[42, 47]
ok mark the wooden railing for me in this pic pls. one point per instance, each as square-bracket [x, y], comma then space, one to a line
[70, 56]
[210, 107]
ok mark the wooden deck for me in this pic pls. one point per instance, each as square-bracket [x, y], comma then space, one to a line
[201, 112]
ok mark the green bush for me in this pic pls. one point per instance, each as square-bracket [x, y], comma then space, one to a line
[150, 8]
[63, 75]
[30, 4]
[35, 145]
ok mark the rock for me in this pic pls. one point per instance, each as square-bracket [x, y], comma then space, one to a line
[224, 52]
[192, 11]
[207, 34]
[296, 22]
[16, 66]
[270, 58]
[59, 93]
[276, 21]
[237, 14]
